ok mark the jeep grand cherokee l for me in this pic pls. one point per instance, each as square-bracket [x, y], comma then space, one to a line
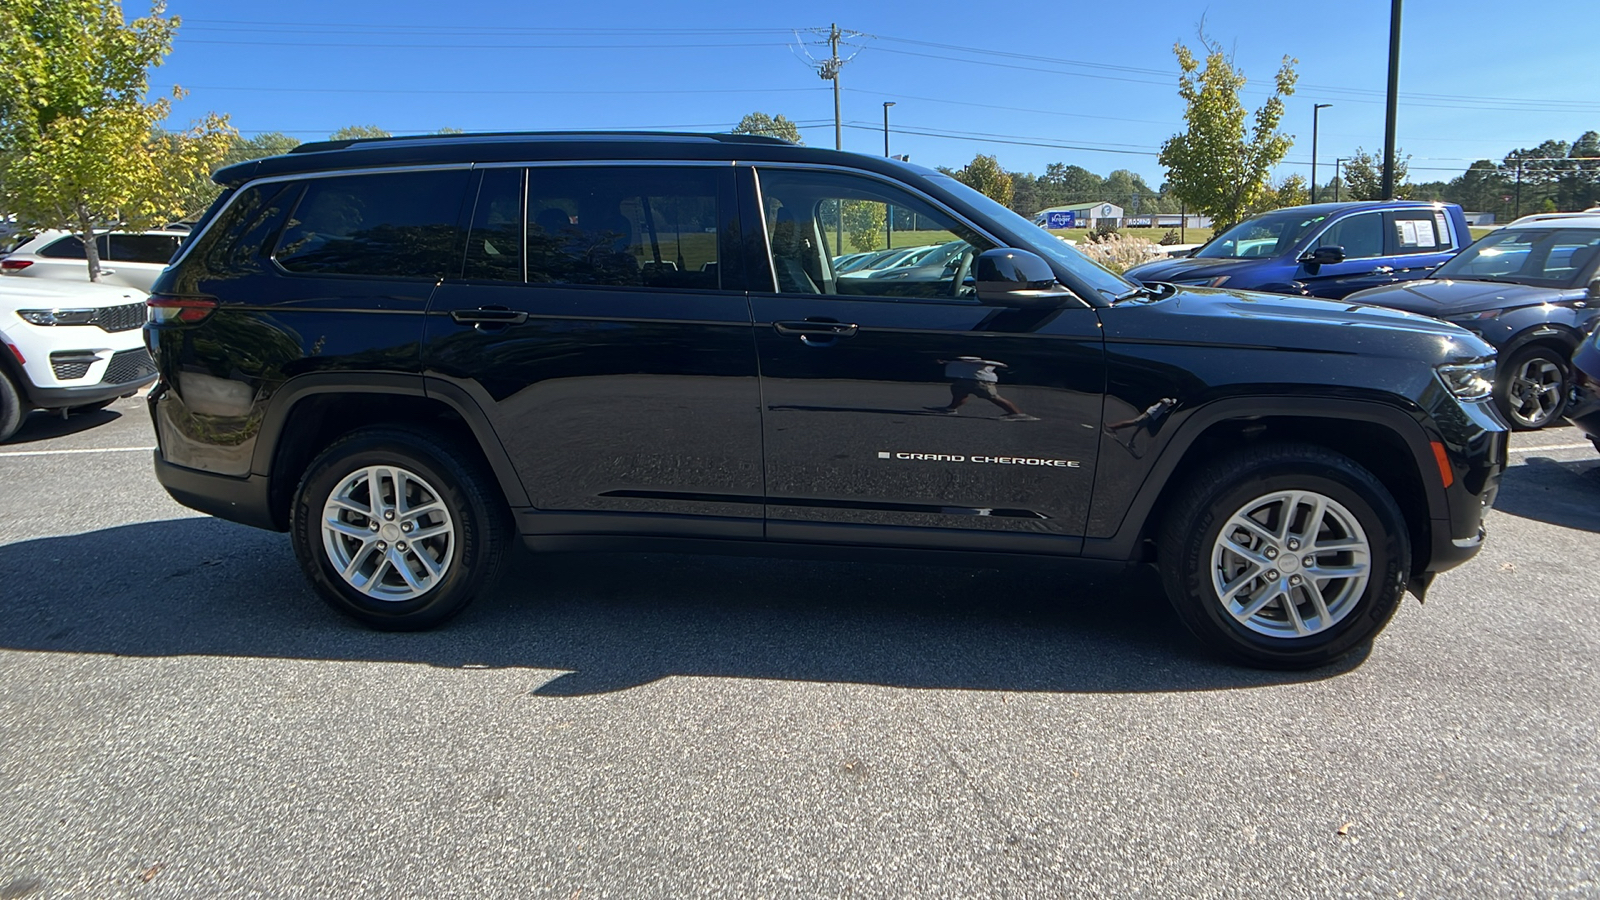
[407, 351]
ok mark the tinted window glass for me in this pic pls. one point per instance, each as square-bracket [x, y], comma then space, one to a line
[651, 227]
[144, 248]
[70, 247]
[233, 245]
[1361, 236]
[494, 245]
[1547, 257]
[1273, 234]
[400, 225]
[816, 219]
[1419, 232]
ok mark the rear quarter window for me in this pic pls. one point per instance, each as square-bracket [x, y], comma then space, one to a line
[399, 225]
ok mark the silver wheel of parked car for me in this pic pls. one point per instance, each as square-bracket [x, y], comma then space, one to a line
[388, 533]
[1536, 391]
[1290, 564]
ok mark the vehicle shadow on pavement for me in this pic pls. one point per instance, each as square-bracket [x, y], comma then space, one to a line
[43, 426]
[1559, 493]
[607, 622]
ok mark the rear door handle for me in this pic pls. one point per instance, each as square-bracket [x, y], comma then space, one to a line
[489, 315]
[816, 329]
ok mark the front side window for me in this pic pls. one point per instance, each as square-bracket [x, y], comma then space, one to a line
[818, 221]
[1361, 236]
[397, 225]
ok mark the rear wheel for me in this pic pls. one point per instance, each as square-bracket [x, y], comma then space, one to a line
[1288, 556]
[398, 528]
[1532, 387]
[11, 410]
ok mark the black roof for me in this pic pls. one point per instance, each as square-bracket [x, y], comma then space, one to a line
[532, 146]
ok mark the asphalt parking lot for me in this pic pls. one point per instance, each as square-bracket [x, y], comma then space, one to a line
[181, 717]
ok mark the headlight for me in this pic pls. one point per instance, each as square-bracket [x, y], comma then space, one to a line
[1218, 281]
[1467, 381]
[58, 316]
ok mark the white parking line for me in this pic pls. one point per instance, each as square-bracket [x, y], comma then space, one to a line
[64, 452]
[1583, 446]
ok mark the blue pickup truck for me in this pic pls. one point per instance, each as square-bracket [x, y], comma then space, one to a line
[1322, 250]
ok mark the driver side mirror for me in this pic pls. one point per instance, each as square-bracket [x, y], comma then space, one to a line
[1018, 279]
[1323, 256]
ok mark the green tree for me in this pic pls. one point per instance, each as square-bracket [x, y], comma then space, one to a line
[984, 175]
[79, 146]
[1215, 166]
[356, 132]
[1363, 176]
[1062, 184]
[864, 221]
[771, 126]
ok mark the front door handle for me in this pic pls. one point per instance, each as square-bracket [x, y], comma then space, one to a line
[817, 329]
[1383, 270]
[489, 316]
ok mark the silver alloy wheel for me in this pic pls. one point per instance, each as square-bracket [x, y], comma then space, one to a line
[388, 533]
[1535, 392]
[1291, 564]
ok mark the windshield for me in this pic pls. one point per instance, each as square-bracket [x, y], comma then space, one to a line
[1543, 257]
[1273, 234]
[1099, 278]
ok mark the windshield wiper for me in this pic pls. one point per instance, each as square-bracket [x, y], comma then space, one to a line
[1157, 290]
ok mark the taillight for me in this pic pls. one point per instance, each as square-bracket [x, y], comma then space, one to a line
[189, 310]
[15, 265]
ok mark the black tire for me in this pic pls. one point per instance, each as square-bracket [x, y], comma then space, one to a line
[1188, 544]
[12, 412]
[1527, 409]
[479, 526]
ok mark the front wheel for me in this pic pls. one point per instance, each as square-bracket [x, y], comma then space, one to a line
[1532, 388]
[399, 528]
[1288, 556]
[12, 412]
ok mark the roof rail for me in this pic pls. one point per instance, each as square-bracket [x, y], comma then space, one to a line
[321, 146]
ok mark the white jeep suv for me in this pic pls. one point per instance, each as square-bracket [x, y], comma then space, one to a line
[68, 346]
[126, 258]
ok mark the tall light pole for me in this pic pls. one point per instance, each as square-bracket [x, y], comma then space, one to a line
[886, 105]
[1315, 108]
[1394, 97]
[1338, 180]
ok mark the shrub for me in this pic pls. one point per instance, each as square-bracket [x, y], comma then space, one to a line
[1103, 228]
[1170, 238]
[1119, 253]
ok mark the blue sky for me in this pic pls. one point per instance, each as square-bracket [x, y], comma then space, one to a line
[1095, 83]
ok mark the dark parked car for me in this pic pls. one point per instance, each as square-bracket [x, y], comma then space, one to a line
[1324, 250]
[1529, 289]
[406, 352]
[1584, 410]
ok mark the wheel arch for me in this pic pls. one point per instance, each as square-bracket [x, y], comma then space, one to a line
[311, 411]
[1375, 435]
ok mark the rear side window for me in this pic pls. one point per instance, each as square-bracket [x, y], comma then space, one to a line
[399, 225]
[70, 247]
[143, 248]
[1424, 231]
[625, 226]
[494, 246]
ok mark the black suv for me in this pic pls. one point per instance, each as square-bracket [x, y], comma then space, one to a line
[405, 351]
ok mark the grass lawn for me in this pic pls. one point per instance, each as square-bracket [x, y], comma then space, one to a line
[1480, 231]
